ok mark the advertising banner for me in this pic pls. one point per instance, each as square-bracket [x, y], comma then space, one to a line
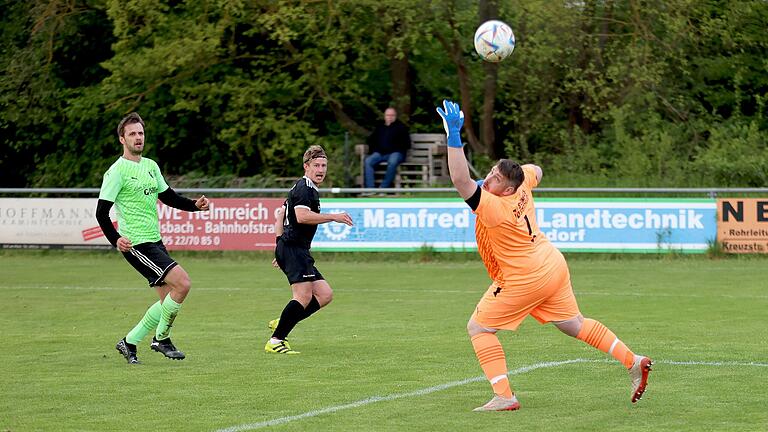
[447, 224]
[230, 224]
[50, 222]
[629, 225]
[742, 224]
[578, 225]
[397, 225]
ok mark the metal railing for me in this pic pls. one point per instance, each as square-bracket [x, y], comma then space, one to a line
[708, 192]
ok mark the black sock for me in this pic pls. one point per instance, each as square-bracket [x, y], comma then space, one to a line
[311, 308]
[292, 314]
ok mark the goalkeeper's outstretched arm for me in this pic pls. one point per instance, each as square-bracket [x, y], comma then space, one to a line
[453, 120]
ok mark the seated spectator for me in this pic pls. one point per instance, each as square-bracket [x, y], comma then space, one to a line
[388, 143]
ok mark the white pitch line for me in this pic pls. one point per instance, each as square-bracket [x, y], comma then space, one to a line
[373, 399]
[711, 363]
[437, 388]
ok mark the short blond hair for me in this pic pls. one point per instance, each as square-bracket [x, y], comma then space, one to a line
[314, 152]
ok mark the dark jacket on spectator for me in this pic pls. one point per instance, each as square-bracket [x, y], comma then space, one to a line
[389, 139]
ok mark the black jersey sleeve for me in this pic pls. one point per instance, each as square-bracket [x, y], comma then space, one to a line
[102, 216]
[474, 200]
[170, 198]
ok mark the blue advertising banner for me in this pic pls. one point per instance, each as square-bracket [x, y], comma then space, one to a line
[572, 225]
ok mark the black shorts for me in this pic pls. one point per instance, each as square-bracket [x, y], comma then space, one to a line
[152, 261]
[297, 264]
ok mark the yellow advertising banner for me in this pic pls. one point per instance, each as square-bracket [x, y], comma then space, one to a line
[742, 224]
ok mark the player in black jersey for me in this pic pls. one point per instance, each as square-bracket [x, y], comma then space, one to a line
[301, 217]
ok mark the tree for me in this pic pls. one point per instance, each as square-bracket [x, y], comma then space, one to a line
[601, 91]
[51, 53]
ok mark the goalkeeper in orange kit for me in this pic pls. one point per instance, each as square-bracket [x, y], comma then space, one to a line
[529, 275]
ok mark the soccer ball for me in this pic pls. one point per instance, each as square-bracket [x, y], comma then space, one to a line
[494, 41]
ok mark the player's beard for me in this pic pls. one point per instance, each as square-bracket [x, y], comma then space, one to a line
[135, 151]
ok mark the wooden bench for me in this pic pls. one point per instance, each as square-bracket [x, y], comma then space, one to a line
[425, 163]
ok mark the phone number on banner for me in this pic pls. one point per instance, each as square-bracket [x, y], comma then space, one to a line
[191, 240]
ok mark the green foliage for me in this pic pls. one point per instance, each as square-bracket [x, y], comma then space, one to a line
[737, 155]
[646, 148]
[482, 164]
[602, 93]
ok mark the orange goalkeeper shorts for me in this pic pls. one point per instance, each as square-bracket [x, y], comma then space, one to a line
[506, 307]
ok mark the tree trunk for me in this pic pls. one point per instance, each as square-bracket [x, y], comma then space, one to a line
[488, 9]
[466, 107]
[453, 47]
[401, 85]
[342, 117]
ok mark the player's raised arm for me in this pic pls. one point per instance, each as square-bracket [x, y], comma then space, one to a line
[453, 120]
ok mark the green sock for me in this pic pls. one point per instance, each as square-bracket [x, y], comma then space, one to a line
[146, 325]
[169, 310]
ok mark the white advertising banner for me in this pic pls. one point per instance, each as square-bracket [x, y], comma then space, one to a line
[35, 222]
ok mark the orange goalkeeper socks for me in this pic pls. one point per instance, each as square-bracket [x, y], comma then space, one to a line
[493, 362]
[601, 337]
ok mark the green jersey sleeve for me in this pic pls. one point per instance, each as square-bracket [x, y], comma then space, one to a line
[111, 185]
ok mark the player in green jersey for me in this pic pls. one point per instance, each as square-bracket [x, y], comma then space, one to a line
[134, 184]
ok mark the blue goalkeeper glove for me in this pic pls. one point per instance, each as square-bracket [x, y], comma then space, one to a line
[453, 120]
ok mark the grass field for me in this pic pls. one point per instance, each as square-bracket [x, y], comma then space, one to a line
[389, 354]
